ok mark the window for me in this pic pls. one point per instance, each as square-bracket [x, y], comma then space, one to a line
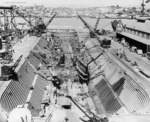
[130, 31]
[148, 36]
[145, 35]
[140, 34]
[134, 32]
[148, 48]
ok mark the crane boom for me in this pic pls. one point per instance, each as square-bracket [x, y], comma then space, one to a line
[85, 23]
[50, 20]
[97, 22]
[21, 15]
[90, 28]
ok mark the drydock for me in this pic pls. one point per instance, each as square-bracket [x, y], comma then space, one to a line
[64, 74]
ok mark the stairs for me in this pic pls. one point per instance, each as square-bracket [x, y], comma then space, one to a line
[107, 97]
[140, 98]
[15, 94]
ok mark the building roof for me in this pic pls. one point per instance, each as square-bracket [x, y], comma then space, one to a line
[145, 27]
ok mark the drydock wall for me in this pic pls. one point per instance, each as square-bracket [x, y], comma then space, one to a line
[17, 92]
[114, 91]
[128, 92]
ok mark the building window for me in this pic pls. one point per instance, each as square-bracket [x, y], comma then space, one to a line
[145, 35]
[148, 36]
[148, 48]
[140, 34]
[134, 32]
[131, 31]
[137, 33]
[128, 30]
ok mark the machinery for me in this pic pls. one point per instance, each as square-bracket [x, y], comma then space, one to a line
[106, 42]
[7, 72]
[117, 25]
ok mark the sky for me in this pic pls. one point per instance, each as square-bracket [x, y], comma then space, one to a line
[73, 3]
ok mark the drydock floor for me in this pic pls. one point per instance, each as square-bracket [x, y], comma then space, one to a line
[112, 93]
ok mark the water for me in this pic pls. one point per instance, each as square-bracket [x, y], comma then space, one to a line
[76, 23]
[73, 22]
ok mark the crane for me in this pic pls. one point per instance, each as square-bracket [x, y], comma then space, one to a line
[93, 30]
[39, 28]
[96, 25]
[104, 41]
